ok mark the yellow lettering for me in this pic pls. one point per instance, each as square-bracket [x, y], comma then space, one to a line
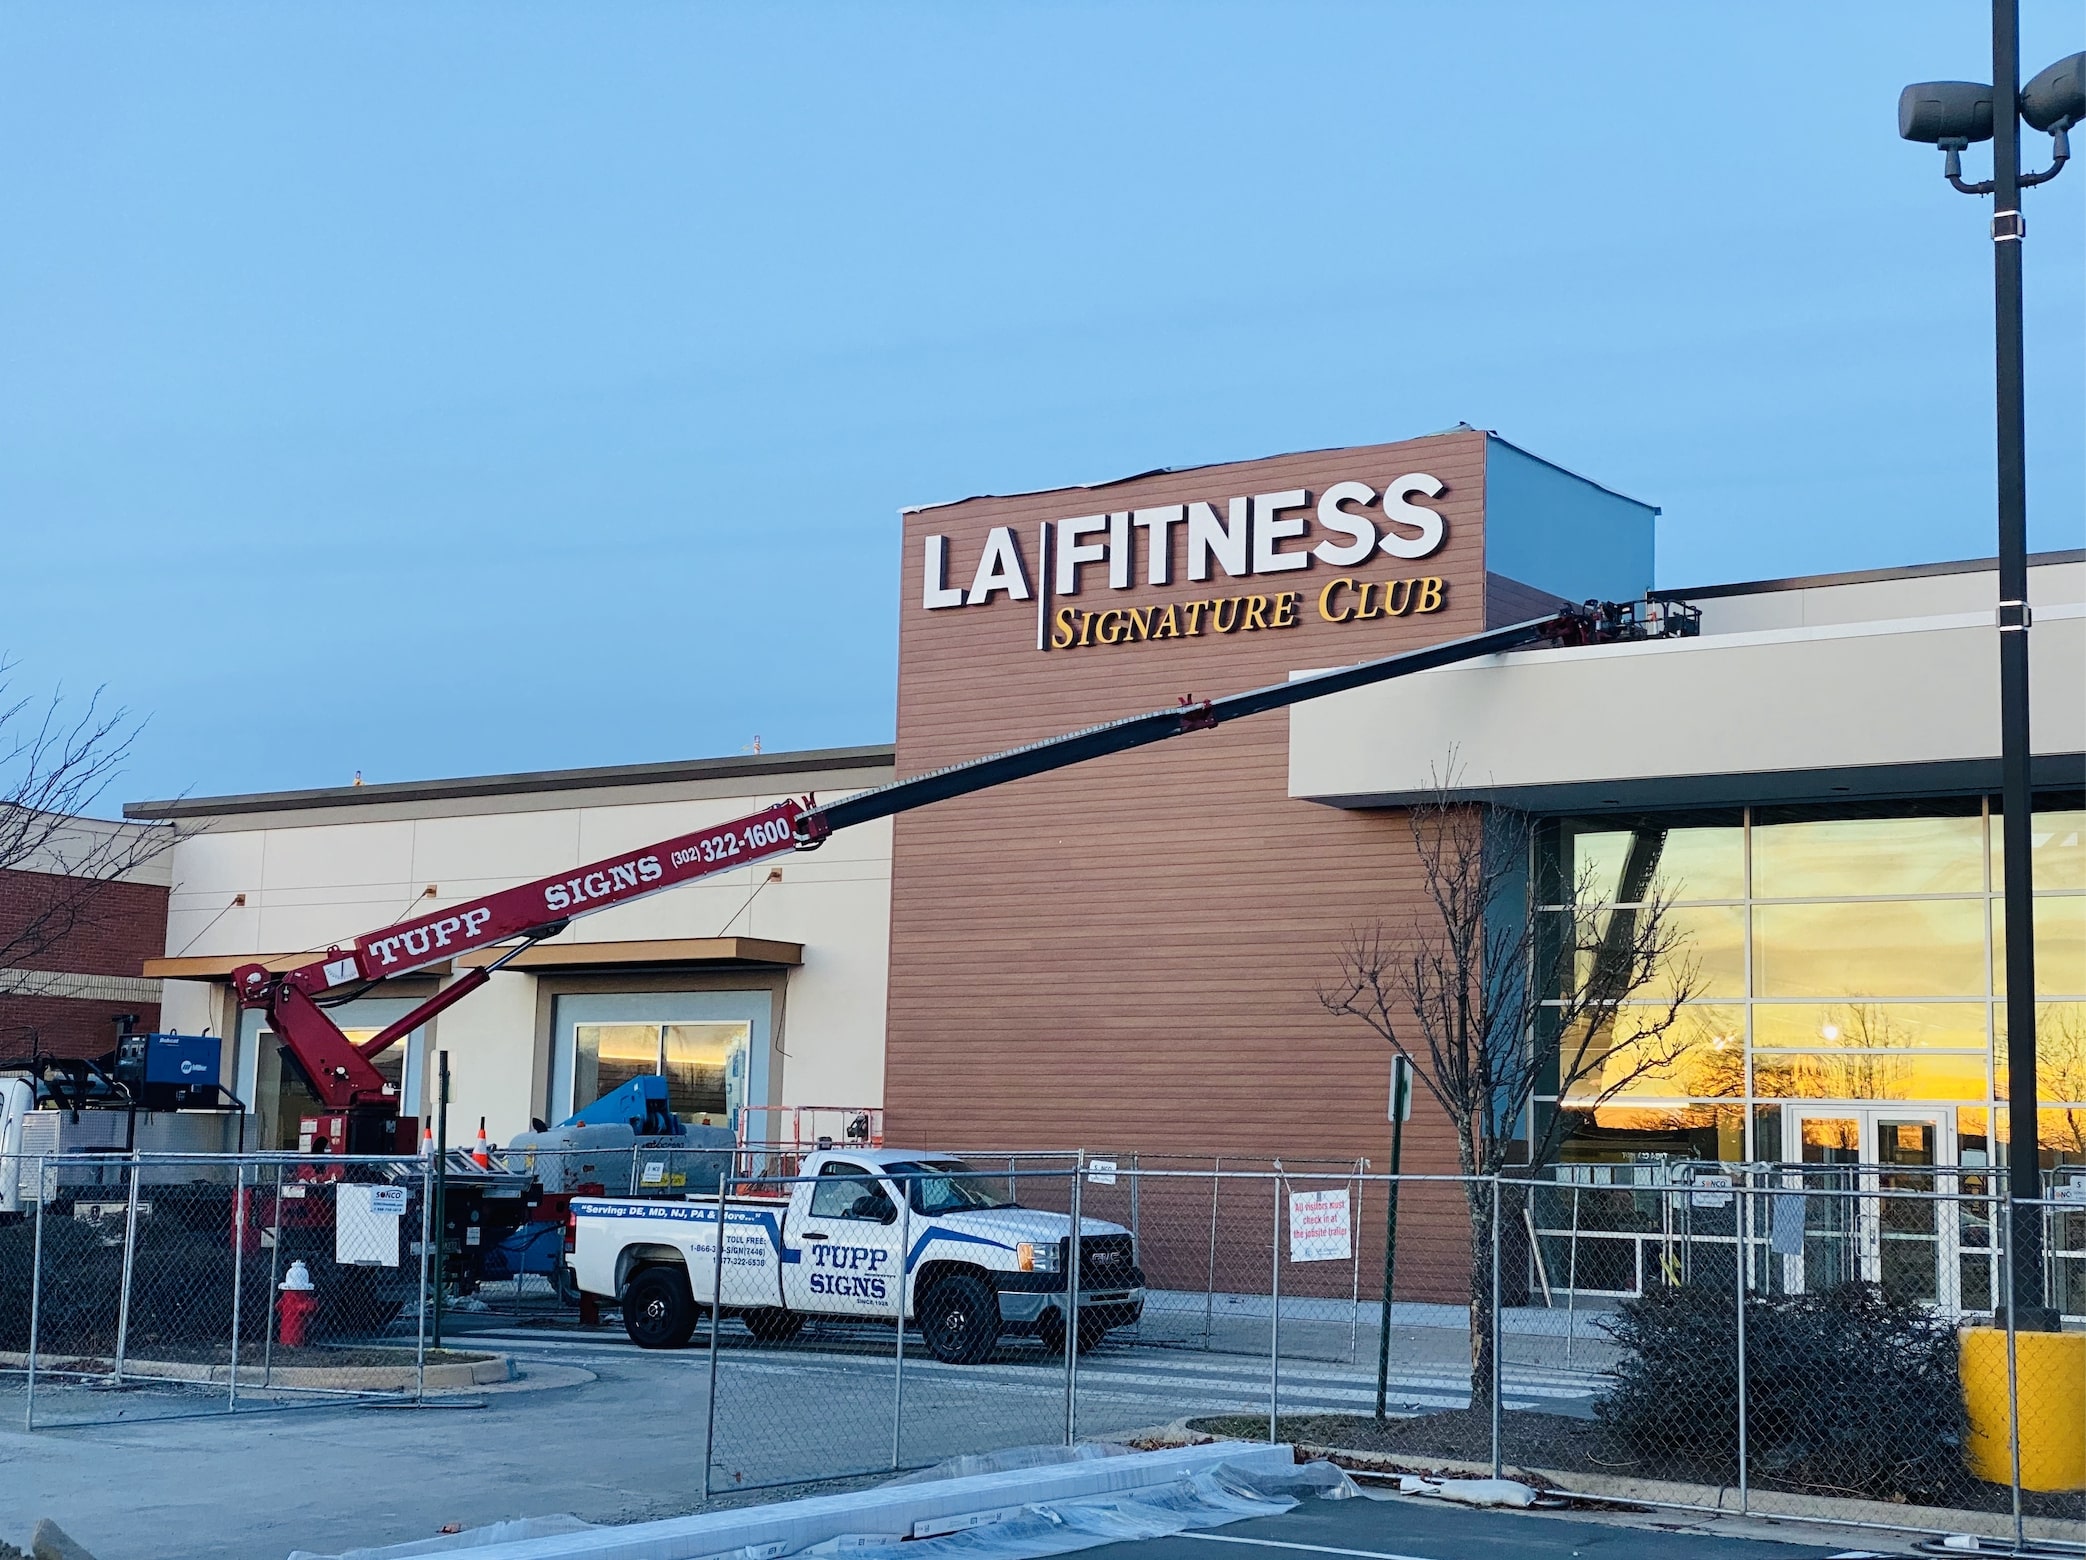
[1086, 629]
[1256, 612]
[1193, 609]
[1061, 631]
[1285, 614]
[1432, 589]
[1166, 622]
[1325, 602]
[1137, 624]
[1365, 612]
[1222, 623]
[1395, 605]
[1108, 626]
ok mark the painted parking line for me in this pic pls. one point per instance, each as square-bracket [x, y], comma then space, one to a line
[1316, 1549]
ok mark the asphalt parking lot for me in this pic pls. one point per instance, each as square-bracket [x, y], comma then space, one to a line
[610, 1434]
[1430, 1529]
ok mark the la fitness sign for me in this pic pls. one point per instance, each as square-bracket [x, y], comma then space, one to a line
[1348, 526]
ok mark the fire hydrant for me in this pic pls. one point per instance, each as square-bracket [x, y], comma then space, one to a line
[296, 1308]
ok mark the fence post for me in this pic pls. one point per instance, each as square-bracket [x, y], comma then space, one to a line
[1498, 1372]
[130, 1252]
[238, 1276]
[1073, 1276]
[427, 1215]
[1572, 1275]
[1209, 1293]
[716, 1301]
[1741, 1276]
[2013, 1380]
[905, 1242]
[35, 1297]
[1275, 1308]
[1354, 1255]
[274, 1272]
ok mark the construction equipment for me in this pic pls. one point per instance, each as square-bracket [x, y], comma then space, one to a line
[342, 1075]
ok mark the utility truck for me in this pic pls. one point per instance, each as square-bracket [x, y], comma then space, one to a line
[862, 1235]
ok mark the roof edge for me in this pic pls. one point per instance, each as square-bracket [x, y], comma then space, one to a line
[740, 767]
[1205, 465]
[1576, 476]
[1909, 571]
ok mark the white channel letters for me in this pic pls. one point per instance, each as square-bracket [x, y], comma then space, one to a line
[1255, 534]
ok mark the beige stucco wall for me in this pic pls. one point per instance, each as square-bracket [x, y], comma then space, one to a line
[318, 876]
[1784, 689]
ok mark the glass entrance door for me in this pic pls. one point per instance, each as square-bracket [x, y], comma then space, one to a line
[1868, 1174]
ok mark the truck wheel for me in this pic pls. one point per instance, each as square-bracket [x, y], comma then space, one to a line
[772, 1324]
[1050, 1330]
[658, 1311]
[960, 1319]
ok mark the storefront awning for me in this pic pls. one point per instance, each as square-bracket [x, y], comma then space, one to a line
[651, 953]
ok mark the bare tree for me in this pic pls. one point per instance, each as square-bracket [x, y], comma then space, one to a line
[1493, 998]
[55, 765]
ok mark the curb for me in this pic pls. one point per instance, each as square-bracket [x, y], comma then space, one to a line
[458, 1376]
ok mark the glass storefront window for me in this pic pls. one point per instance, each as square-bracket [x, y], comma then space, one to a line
[1636, 1054]
[607, 1056]
[1808, 1026]
[1712, 948]
[705, 1067]
[2057, 851]
[704, 1064]
[1903, 948]
[1832, 858]
[1690, 860]
[2060, 945]
[2060, 1051]
[1617, 1134]
[711, 1047]
[1867, 1075]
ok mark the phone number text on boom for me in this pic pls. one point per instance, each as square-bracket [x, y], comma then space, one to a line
[722, 847]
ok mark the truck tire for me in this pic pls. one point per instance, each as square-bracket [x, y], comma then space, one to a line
[960, 1319]
[1050, 1330]
[658, 1311]
[772, 1324]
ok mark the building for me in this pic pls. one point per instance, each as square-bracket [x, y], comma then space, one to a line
[83, 903]
[1127, 955]
[760, 987]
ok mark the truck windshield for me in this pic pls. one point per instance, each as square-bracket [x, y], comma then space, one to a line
[951, 1186]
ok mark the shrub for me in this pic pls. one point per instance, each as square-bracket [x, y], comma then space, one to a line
[1847, 1391]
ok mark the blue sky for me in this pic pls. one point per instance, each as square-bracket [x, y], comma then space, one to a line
[461, 388]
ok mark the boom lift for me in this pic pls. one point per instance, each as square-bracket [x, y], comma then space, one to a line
[342, 1074]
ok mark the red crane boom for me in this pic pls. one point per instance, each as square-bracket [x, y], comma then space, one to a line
[343, 1075]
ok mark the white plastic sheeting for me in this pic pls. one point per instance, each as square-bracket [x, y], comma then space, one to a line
[1023, 1513]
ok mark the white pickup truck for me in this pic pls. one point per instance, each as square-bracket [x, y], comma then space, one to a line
[865, 1232]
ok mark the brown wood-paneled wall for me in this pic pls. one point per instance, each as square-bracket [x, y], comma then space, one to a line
[1128, 952]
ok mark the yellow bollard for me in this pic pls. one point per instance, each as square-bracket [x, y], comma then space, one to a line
[2050, 1372]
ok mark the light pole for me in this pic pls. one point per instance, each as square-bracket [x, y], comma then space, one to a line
[1951, 115]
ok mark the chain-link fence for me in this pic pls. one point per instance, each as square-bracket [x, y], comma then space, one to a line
[1799, 1341]
[1826, 1341]
[157, 1285]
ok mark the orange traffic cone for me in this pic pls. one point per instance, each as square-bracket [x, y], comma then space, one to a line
[481, 1156]
[427, 1142]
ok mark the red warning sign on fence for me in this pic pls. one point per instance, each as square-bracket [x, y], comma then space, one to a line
[1318, 1227]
